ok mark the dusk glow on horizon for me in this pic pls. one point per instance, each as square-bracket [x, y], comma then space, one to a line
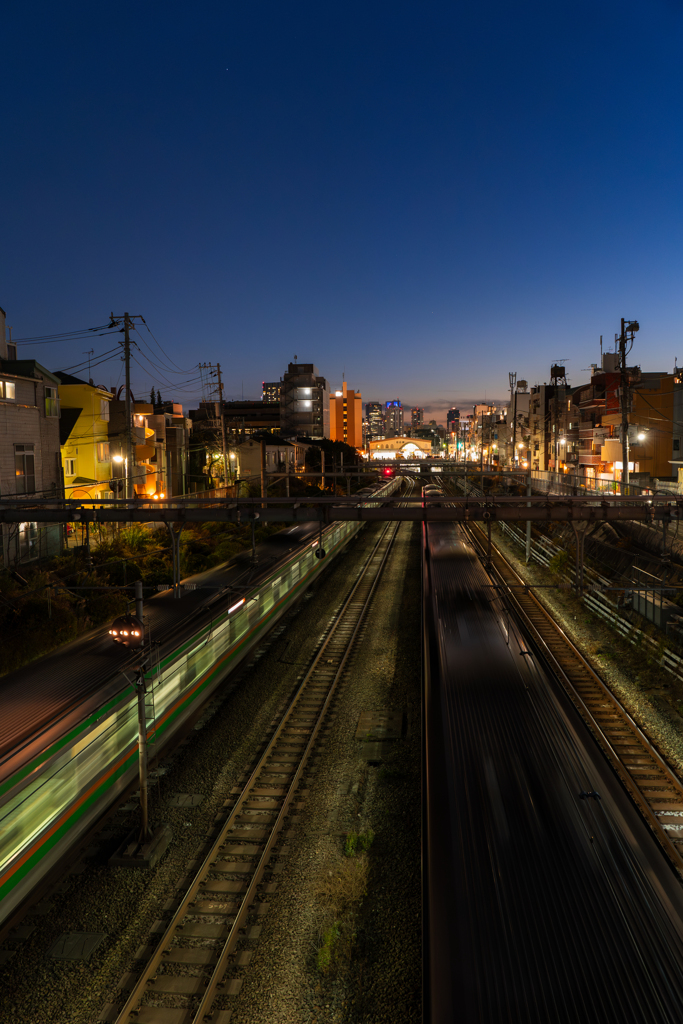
[417, 199]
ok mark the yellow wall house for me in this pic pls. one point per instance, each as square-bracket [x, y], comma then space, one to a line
[84, 438]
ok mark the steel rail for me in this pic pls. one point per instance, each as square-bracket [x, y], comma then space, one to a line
[354, 608]
[650, 781]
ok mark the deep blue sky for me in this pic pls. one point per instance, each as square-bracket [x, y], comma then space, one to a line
[422, 195]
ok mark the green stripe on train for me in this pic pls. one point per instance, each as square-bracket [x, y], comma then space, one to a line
[219, 668]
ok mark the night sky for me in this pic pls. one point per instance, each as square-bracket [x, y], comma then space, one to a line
[422, 196]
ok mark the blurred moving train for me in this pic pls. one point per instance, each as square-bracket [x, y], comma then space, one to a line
[68, 742]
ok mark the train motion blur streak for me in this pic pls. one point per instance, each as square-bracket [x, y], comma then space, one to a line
[546, 897]
[68, 732]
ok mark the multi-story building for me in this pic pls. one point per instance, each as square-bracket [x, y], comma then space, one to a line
[304, 402]
[416, 417]
[271, 391]
[84, 437]
[393, 419]
[428, 433]
[172, 441]
[346, 412]
[374, 415]
[29, 450]
[147, 471]
[654, 436]
[517, 434]
[245, 418]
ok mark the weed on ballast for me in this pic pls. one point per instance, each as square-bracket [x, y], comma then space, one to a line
[325, 954]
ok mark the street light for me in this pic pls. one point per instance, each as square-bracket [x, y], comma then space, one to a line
[119, 459]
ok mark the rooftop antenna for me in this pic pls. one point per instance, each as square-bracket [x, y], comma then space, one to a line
[295, 357]
[601, 350]
[89, 354]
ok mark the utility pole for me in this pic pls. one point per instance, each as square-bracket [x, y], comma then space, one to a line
[264, 492]
[513, 412]
[627, 327]
[130, 461]
[220, 408]
[129, 411]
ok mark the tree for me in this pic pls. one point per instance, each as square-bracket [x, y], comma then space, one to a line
[151, 397]
[158, 397]
[333, 452]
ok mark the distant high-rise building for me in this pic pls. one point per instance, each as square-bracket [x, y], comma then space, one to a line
[374, 414]
[304, 402]
[416, 417]
[346, 414]
[452, 421]
[271, 391]
[393, 419]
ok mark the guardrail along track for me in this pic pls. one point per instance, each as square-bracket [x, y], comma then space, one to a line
[191, 966]
[652, 784]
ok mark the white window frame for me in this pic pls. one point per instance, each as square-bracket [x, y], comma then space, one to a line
[69, 467]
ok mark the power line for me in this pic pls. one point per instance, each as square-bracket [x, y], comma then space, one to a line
[103, 358]
[162, 351]
[38, 339]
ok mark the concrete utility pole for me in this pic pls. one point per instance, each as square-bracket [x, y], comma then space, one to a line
[513, 412]
[264, 492]
[128, 322]
[129, 411]
[220, 409]
[627, 327]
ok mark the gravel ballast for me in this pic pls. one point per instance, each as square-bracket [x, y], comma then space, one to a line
[283, 982]
[651, 696]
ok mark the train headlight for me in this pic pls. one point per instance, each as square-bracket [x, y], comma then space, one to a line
[127, 630]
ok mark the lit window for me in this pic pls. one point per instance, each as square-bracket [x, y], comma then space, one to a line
[104, 409]
[51, 402]
[103, 452]
[7, 390]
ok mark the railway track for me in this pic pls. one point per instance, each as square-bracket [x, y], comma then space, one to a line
[650, 781]
[193, 962]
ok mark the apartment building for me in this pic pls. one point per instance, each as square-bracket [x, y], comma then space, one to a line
[84, 438]
[346, 417]
[304, 402]
[30, 461]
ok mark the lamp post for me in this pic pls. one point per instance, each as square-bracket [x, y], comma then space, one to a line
[558, 442]
[118, 459]
[628, 328]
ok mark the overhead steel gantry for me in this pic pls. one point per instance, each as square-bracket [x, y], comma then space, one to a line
[501, 508]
